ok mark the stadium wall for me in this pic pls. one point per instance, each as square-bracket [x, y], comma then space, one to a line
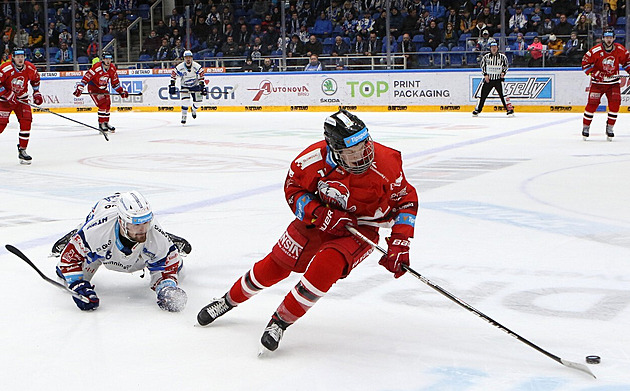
[530, 90]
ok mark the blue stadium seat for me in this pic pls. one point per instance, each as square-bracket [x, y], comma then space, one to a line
[471, 58]
[254, 21]
[546, 10]
[83, 60]
[621, 22]
[440, 57]
[457, 58]
[571, 21]
[424, 56]
[144, 11]
[418, 40]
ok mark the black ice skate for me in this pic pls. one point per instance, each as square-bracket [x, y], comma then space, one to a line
[475, 113]
[183, 118]
[194, 113]
[103, 127]
[217, 308]
[23, 156]
[110, 128]
[609, 132]
[510, 113]
[273, 334]
[60, 244]
[585, 130]
[182, 244]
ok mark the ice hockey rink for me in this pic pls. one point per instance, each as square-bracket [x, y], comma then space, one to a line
[518, 217]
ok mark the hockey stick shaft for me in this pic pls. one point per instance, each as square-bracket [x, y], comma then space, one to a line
[566, 363]
[110, 93]
[21, 255]
[63, 116]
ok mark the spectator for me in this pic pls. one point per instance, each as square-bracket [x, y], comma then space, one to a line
[177, 53]
[519, 48]
[61, 20]
[563, 28]
[547, 27]
[313, 46]
[566, 7]
[466, 23]
[293, 24]
[228, 31]
[359, 48]
[436, 10]
[249, 66]
[200, 29]
[323, 26]
[555, 47]
[35, 38]
[215, 40]
[268, 65]
[36, 15]
[164, 51]
[535, 19]
[574, 49]
[340, 66]
[307, 14]
[518, 21]
[64, 55]
[450, 38]
[582, 26]
[174, 37]
[21, 38]
[334, 12]
[489, 19]
[395, 23]
[106, 22]
[340, 48]
[266, 23]
[349, 26]
[535, 51]
[151, 43]
[380, 25]
[270, 39]
[82, 45]
[591, 17]
[365, 25]
[407, 48]
[162, 29]
[305, 36]
[243, 38]
[483, 43]
[433, 36]
[230, 48]
[314, 64]
[480, 27]
[257, 32]
[176, 18]
[410, 23]
[92, 33]
[373, 45]
[453, 17]
[259, 9]
[39, 56]
[90, 18]
[295, 48]
[53, 34]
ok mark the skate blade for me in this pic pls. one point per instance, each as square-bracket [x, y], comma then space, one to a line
[607, 138]
[263, 351]
[584, 138]
[25, 162]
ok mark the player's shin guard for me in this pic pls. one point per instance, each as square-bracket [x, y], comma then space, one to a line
[103, 116]
[184, 113]
[263, 274]
[25, 134]
[612, 119]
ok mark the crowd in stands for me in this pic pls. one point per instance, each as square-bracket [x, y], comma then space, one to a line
[558, 30]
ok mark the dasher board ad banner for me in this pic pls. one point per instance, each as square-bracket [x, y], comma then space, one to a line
[535, 87]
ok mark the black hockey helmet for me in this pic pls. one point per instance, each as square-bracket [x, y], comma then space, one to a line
[608, 32]
[18, 51]
[349, 141]
[108, 55]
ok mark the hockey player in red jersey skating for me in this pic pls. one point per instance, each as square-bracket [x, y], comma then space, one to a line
[14, 79]
[97, 78]
[346, 180]
[602, 64]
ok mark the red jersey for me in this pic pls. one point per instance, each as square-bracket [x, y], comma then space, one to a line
[607, 63]
[97, 77]
[379, 197]
[17, 80]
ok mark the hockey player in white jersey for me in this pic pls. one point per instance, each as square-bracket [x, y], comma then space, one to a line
[191, 84]
[121, 234]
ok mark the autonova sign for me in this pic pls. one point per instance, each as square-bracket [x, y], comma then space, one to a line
[303, 91]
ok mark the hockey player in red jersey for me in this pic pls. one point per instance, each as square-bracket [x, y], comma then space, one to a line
[97, 78]
[346, 180]
[14, 79]
[602, 64]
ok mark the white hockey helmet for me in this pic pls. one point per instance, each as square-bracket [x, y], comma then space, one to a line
[187, 53]
[134, 215]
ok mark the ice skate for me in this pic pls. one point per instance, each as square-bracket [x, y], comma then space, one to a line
[475, 113]
[510, 113]
[194, 113]
[182, 244]
[23, 156]
[217, 308]
[609, 132]
[272, 335]
[183, 117]
[110, 128]
[60, 244]
[103, 127]
[585, 132]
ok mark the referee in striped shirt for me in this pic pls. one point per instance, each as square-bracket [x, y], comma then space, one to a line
[494, 65]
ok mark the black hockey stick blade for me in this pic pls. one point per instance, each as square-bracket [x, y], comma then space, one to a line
[457, 300]
[21, 255]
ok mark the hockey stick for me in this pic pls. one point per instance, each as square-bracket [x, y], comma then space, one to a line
[110, 93]
[20, 254]
[62, 116]
[566, 363]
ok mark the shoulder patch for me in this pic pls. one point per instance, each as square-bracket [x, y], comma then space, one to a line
[310, 158]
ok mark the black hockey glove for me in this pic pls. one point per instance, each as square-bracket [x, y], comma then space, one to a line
[172, 89]
[203, 89]
[84, 288]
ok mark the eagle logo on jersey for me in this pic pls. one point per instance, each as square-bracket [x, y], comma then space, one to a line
[335, 193]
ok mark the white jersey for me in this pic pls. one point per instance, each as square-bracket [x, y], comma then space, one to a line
[188, 76]
[98, 243]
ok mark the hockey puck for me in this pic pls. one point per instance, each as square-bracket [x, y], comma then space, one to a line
[593, 359]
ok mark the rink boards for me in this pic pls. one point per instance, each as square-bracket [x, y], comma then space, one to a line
[530, 90]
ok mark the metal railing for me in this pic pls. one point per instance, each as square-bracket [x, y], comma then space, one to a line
[138, 21]
[151, 12]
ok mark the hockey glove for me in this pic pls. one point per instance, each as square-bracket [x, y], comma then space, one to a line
[79, 90]
[334, 221]
[84, 288]
[172, 90]
[10, 97]
[123, 94]
[170, 297]
[397, 254]
[38, 99]
[203, 89]
[598, 76]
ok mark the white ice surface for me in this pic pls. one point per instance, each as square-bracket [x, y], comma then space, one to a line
[519, 217]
